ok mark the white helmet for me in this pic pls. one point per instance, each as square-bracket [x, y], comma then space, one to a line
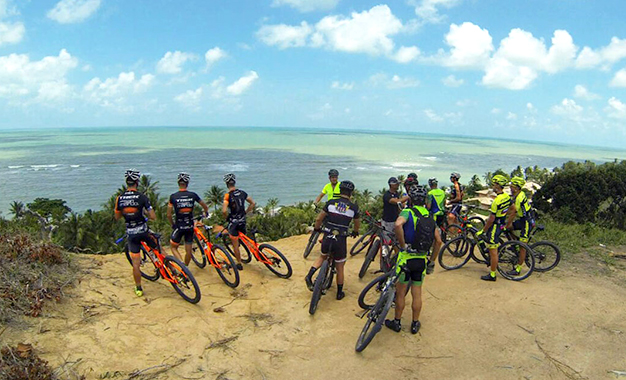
[183, 177]
[230, 177]
[132, 175]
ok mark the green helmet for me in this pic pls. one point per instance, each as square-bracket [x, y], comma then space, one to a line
[499, 179]
[518, 181]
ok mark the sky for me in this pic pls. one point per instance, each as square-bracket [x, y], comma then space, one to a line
[544, 70]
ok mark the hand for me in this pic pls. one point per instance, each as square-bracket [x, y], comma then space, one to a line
[508, 227]
[317, 229]
[205, 215]
[354, 234]
[173, 226]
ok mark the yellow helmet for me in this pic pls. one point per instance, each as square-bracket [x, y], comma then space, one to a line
[518, 181]
[499, 179]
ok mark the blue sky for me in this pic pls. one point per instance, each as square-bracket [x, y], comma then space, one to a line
[524, 69]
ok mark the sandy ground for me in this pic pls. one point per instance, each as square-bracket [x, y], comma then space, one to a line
[569, 323]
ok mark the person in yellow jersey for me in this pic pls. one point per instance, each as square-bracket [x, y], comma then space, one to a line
[435, 203]
[331, 190]
[495, 223]
[519, 218]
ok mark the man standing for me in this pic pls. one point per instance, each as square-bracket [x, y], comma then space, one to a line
[435, 203]
[519, 219]
[331, 190]
[495, 223]
[391, 209]
[456, 198]
[234, 211]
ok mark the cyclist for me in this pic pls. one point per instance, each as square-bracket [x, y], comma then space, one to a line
[417, 233]
[391, 201]
[524, 221]
[331, 190]
[234, 211]
[456, 197]
[410, 180]
[182, 203]
[412, 177]
[134, 207]
[435, 203]
[336, 216]
[495, 223]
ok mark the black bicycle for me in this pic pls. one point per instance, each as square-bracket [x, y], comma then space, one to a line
[547, 254]
[313, 238]
[380, 242]
[324, 279]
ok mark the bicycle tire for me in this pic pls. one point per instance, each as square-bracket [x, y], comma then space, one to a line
[329, 279]
[376, 316]
[246, 256]
[455, 253]
[276, 257]
[361, 243]
[198, 249]
[145, 259]
[311, 243]
[542, 261]
[226, 265]
[318, 287]
[388, 262]
[452, 231]
[184, 276]
[376, 286]
[476, 222]
[371, 253]
[508, 257]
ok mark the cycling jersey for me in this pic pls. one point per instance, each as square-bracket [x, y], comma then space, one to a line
[331, 193]
[132, 204]
[453, 192]
[411, 222]
[390, 210]
[500, 206]
[183, 202]
[437, 201]
[236, 201]
[340, 213]
[521, 205]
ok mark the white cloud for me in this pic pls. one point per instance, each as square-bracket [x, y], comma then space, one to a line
[172, 62]
[465, 103]
[406, 54]
[603, 57]
[342, 86]
[496, 111]
[217, 88]
[285, 36]
[428, 10]
[11, 32]
[616, 109]
[619, 80]
[115, 92]
[451, 81]
[307, 5]
[511, 116]
[190, 99]
[502, 73]
[214, 55]
[470, 46]
[430, 114]
[395, 82]
[50, 92]
[530, 107]
[568, 108]
[6, 9]
[242, 84]
[581, 91]
[73, 11]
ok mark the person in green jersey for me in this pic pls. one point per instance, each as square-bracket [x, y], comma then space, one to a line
[331, 190]
[519, 218]
[495, 223]
[435, 203]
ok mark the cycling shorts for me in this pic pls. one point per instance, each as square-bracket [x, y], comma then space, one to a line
[455, 209]
[134, 241]
[237, 226]
[178, 234]
[440, 220]
[525, 227]
[416, 266]
[492, 237]
[337, 246]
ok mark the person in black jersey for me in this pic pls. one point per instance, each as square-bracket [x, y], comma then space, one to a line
[392, 201]
[336, 216]
[134, 206]
[182, 203]
[234, 211]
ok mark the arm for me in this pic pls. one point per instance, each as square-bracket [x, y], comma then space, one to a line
[510, 216]
[489, 221]
[225, 208]
[400, 231]
[250, 205]
[395, 201]
[357, 225]
[169, 213]
[319, 220]
[151, 214]
[459, 196]
[117, 214]
[319, 198]
[204, 206]
[429, 202]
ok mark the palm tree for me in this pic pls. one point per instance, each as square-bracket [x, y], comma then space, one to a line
[215, 196]
[17, 209]
[401, 177]
[270, 207]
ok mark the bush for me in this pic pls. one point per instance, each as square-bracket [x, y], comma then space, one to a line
[21, 363]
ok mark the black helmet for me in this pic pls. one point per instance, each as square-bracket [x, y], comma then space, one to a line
[230, 177]
[455, 175]
[412, 175]
[183, 177]
[393, 181]
[346, 185]
[132, 175]
[432, 181]
[418, 194]
[333, 173]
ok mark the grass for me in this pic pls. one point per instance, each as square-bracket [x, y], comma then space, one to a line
[575, 238]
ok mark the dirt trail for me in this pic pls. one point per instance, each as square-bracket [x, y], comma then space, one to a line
[559, 325]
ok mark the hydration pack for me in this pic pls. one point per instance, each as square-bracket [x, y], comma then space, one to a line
[424, 232]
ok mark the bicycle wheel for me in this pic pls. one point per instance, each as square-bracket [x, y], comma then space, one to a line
[309, 246]
[371, 292]
[361, 243]
[148, 269]
[371, 254]
[226, 267]
[452, 231]
[318, 287]
[375, 319]
[185, 284]
[279, 264]
[476, 222]
[198, 252]
[455, 253]
[547, 255]
[246, 257]
[508, 258]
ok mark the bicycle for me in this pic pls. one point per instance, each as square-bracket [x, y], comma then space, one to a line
[379, 242]
[547, 254]
[271, 257]
[204, 250]
[168, 267]
[465, 221]
[324, 279]
[457, 252]
[315, 235]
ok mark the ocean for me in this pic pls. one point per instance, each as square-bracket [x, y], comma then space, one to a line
[86, 166]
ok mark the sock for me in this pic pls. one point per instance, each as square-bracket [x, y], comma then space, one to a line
[396, 320]
[138, 287]
[339, 288]
[518, 268]
[311, 272]
[493, 274]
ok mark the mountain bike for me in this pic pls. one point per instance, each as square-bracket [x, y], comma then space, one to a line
[154, 265]
[204, 251]
[324, 279]
[457, 252]
[313, 238]
[547, 254]
[363, 241]
[464, 222]
[379, 242]
[271, 257]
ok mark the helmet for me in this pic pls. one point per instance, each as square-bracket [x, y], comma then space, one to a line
[417, 193]
[518, 181]
[499, 179]
[183, 177]
[132, 175]
[230, 177]
[455, 175]
[432, 181]
[346, 185]
[410, 181]
[333, 173]
[412, 175]
[393, 181]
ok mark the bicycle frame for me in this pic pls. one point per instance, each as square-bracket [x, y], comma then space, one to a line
[207, 241]
[253, 247]
[159, 262]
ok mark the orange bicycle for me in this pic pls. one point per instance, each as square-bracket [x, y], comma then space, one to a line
[168, 267]
[203, 250]
[271, 257]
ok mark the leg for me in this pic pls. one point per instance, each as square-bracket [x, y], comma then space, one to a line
[416, 292]
[340, 277]
[188, 247]
[174, 247]
[435, 253]
[136, 267]
[400, 299]
[235, 242]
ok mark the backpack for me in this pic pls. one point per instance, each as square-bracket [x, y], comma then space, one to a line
[424, 232]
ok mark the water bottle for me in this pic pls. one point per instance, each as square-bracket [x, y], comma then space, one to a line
[385, 252]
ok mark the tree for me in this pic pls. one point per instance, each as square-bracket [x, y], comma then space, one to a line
[517, 172]
[17, 209]
[50, 209]
[214, 196]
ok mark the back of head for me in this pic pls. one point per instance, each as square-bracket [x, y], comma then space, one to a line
[229, 179]
[418, 195]
[432, 182]
[346, 187]
[183, 179]
[131, 177]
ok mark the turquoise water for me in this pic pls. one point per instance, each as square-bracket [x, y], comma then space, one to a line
[85, 166]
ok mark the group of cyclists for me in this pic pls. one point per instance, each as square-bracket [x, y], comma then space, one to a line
[412, 215]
